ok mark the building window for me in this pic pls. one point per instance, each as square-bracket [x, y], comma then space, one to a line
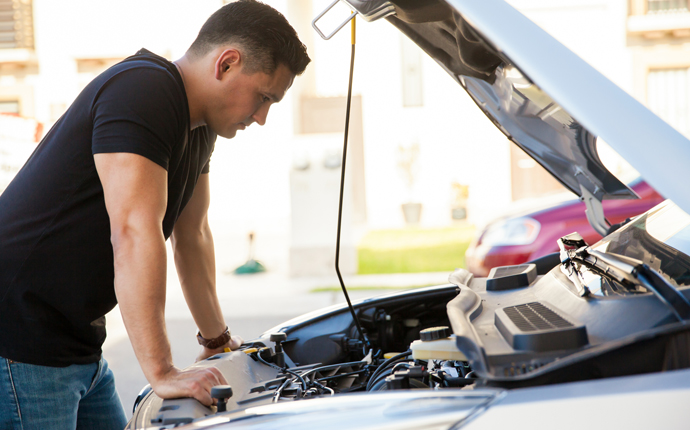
[11, 107]
[666, 6]
[668, 93]
[16, 24]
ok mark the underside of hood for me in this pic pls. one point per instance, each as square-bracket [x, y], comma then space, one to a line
[517, 106]
[543, 97]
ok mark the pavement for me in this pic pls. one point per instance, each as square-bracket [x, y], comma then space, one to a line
[251, 305]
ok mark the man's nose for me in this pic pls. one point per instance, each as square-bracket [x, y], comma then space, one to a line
[261, 114]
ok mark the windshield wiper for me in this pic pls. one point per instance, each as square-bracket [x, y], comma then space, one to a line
[622, 269]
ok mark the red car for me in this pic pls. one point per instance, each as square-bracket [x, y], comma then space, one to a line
[521, 238]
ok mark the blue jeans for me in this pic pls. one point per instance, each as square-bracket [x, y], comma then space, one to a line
[81, 396]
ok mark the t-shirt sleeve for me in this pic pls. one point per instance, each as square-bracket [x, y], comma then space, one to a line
[138, 111]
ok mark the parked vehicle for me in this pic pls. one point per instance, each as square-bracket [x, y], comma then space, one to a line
[526, 236]
[597, 339]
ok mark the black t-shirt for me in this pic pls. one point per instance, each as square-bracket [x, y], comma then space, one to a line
[56, 259]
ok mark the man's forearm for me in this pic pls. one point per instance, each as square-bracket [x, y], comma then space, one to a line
[140, 272]
[196, 268]
[140, 267]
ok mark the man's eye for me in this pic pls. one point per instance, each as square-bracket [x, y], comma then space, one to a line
[265, 99]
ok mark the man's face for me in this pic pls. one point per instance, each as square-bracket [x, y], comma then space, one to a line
[244, 99]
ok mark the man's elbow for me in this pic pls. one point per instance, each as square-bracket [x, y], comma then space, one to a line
[188, 235]
[126, 237]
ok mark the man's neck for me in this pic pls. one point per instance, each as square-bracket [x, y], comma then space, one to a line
[186, 69]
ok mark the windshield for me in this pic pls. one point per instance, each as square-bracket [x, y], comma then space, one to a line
[660, 238]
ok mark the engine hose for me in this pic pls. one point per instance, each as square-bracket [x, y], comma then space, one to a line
[380, 370]
[325, 388]
[279, 391]
[385, 364]
[380, 380]
[333, 366]
[393, 359]
[284, 370]
[401, 364]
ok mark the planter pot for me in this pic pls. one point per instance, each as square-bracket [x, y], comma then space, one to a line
[412, 212]
[459, 213]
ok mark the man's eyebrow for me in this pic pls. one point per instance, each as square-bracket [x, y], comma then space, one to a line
[274, 97]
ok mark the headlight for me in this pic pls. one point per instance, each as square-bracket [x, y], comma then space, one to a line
[514, 231]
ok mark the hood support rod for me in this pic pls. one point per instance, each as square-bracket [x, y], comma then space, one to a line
[363, 336]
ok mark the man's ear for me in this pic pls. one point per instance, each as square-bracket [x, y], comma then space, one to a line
[227, 60]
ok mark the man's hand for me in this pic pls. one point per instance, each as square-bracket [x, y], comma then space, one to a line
[235, 342]
[195, 383]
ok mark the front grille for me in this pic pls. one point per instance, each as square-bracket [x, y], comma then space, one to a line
[535, 317]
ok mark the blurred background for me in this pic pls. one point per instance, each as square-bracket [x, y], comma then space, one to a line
[427, 172]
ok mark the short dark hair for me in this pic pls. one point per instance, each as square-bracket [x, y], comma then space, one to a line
[262, 32]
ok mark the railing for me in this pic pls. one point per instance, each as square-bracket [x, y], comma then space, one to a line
[666, 6]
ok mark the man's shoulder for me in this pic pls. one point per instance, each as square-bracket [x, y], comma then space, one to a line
[140, 80]
[146, 62]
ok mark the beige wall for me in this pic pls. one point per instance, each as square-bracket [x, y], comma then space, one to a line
[656, 41]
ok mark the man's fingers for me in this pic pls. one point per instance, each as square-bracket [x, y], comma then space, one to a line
[203, 395]
[196, 388]
[211, 377]
[235, 342]
[195, 383]
[208, 378]
[220, 379]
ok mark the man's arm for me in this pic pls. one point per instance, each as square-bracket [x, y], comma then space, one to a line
[135, 191]
[196, 267]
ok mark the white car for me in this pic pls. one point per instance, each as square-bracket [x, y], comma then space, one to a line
[599, 339]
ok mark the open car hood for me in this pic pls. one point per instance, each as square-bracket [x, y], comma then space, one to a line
[543, 97]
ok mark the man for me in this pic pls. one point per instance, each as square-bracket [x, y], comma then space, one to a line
[83, 225]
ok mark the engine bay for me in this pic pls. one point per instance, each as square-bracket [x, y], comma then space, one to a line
[502, 331]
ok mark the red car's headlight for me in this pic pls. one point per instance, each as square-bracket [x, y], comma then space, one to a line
[514, 231]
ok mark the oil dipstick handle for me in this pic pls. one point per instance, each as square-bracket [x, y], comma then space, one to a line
[221, 393]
